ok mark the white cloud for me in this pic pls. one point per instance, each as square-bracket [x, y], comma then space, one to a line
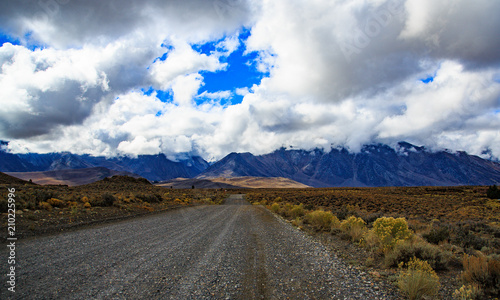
[316, 94]
[215, 96]
[183, 60]
[140, 145]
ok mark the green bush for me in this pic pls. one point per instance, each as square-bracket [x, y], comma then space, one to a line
[405, 251]
[467, 239]
[390, 231]
[437, 235]
[418, 280]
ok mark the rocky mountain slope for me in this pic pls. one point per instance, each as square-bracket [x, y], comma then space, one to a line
[374, 165]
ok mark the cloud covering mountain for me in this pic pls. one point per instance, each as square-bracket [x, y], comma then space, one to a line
[137, 77]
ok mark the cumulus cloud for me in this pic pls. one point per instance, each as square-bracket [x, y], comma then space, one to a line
[337, 73]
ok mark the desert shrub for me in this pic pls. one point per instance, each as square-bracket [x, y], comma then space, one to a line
[482, 271]
[493, 192]
[354, 227]
[418, 280]
[309, 206]
[390, 231]
[56, 202]
[25, 201]
[405, 251]
[467, 239]
[297, 211]
[43, 195]
[437, 235]
[105, 200]
[297, 222]
[370, 241]
[370, 218]
[468, 292]
[320, 219]
[45, 205]
[150, 198]
[343, 213]
[275, 208]
[286, 208]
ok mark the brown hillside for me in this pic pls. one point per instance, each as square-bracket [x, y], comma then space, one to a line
[71, 177]
[233, 183]
[7, 179]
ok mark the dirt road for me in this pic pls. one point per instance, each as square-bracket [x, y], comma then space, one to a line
[231, 251]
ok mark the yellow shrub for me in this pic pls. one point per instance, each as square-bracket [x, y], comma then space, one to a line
[45, 205]
[56, 202]
[354, 227]
[87, 205]
[297, 211]
[352, 222]
[84, 199]
[275, 207]
[390, 231]
[321, 219]
[468, 292]
[418, 279]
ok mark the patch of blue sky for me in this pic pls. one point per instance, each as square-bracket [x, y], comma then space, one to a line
[428, 79]
[164, 96]
[241, 71]
[5, 38]
[28, 41]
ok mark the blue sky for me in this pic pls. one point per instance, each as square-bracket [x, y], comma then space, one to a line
[241, 71]
[203, 78]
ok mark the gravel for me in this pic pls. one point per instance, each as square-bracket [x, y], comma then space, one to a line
[231, 251]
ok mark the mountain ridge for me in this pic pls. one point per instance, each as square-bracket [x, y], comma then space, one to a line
[374, 165]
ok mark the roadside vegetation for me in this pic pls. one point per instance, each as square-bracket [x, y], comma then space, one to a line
[419, 235]
[51, 208]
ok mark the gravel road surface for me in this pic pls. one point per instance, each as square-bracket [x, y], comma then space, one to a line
[231, 251]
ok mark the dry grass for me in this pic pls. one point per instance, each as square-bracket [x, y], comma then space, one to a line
[483, 272]
[418, 280]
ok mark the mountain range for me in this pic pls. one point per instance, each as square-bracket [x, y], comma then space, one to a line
[153, 167]
[373, 165]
